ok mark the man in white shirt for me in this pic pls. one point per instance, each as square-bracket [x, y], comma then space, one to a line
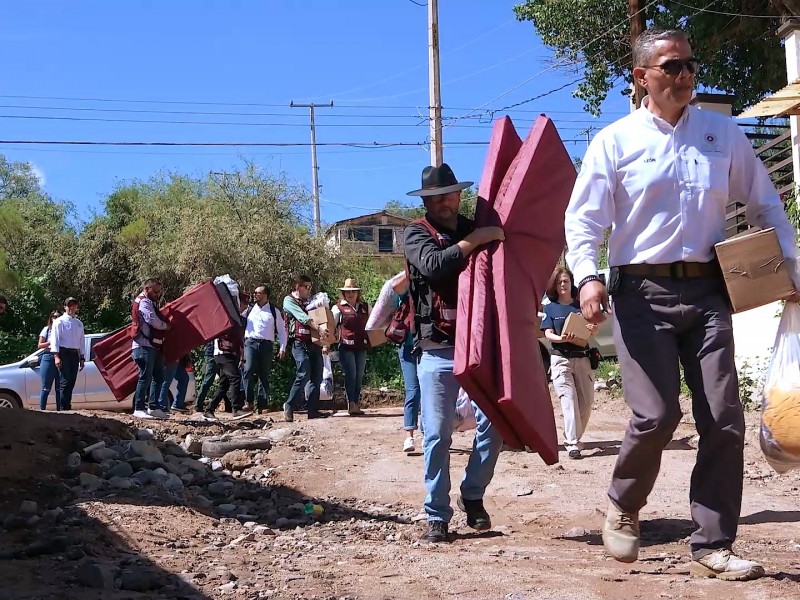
[661, 178]
[264, 326]
[67, 343]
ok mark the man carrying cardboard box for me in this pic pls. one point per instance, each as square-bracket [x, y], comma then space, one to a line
[307, 355]
[661, 178]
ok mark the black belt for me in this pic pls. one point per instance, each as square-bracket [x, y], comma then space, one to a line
[572, 353]
[676, 270]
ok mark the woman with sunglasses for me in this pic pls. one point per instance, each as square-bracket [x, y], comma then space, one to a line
[47, 366]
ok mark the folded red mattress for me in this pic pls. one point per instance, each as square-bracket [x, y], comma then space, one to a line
[476, 332]
[531, 205]
[200, 315]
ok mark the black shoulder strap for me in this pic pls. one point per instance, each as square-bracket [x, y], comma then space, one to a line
[275, 319]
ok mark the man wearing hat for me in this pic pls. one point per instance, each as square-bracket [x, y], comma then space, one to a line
[350, 315]
[67, 343]
[436, 248]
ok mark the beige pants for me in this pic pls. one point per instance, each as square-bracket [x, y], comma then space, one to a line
[573, 380]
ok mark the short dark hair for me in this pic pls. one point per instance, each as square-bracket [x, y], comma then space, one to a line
[552, 285]
[267, 291]
[151, 282]
[300, 280]
[3, 300]
[645, 43]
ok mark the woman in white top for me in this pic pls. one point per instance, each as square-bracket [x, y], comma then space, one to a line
[47, 366]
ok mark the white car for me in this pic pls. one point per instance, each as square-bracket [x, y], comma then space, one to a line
[20, 384]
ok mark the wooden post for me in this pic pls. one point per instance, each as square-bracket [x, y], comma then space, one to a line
[638, 25]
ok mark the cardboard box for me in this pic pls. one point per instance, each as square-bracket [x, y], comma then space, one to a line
[754, 270]
[575, 323]
[323, 315]
[376, 337]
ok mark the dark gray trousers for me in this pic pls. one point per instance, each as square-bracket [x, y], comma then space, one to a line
[659, 322]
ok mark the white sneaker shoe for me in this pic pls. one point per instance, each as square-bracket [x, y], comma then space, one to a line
[141, 414]
[408, 445]
[724, 564]
[157, 413]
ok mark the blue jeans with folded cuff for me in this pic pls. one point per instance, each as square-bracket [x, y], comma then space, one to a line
[353, 363]
[151, 376]
[439, 393]
[308, 358]
[408, 365]
[50, 375]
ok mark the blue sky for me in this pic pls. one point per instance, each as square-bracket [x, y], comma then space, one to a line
[168, 61]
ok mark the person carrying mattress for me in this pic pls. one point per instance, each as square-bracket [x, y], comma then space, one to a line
[436, 249]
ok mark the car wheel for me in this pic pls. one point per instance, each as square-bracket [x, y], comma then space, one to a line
[9, 401]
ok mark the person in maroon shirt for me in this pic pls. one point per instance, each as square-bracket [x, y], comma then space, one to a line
[351, 314]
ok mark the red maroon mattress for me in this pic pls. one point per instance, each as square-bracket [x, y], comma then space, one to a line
[200, 315]
[531, 205]
[497, 356]
[476, 333]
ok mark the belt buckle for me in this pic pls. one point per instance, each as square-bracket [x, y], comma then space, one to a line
[678, 270]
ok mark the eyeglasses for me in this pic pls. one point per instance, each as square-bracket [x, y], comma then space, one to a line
[674, 66]
[305, 285]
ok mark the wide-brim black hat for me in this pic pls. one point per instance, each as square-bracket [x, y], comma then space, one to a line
[439, 180]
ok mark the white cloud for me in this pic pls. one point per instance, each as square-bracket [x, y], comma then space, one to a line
[39, 173]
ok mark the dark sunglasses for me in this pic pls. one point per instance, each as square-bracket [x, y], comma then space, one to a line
[674, 66]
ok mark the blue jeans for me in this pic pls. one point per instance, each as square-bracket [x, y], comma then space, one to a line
[179, 374]
[439, 390]
[151, 376]
[209, 373]
[49, 374]
[257, 366]
[308, 358]
[408, 365]
[353, 363]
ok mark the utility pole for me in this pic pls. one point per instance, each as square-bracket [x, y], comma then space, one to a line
[314, 167]
[588, 131]
[433, 83]
[638, 25]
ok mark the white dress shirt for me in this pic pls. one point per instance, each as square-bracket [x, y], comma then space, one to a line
[262, 326]
[67, 333]
[664, 190]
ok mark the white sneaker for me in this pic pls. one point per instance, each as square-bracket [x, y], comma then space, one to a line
[408, 445]
[141, 414]
[724, 564]
[157, 413]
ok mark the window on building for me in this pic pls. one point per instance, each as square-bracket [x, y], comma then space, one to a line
[362, 234]
[385, 240]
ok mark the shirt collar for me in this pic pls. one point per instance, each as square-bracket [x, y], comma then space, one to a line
[644, 113]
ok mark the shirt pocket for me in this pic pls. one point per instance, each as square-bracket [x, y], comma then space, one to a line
[710, 172]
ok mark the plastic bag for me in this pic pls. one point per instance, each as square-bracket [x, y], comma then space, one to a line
[385, 305]
[780, 404]
[326, 387]
[229, 282]
[465, 412]
[317, 300]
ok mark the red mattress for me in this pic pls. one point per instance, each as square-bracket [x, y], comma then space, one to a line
[508, 283]
[200, 315]
[476, 335]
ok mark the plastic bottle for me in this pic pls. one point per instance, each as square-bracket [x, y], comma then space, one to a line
[314, 510]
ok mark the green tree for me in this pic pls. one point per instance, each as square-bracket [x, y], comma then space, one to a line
[469, 197]
[739, 55]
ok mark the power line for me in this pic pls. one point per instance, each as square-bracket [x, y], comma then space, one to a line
[243, 144]
[720, 12]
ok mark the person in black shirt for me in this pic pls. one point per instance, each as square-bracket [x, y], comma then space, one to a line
[570, 367]
[436, 249]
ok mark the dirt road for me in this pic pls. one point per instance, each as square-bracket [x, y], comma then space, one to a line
[545, 542]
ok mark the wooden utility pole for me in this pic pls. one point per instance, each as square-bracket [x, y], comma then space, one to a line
[433, 83]
[638, 25]
[314, 167]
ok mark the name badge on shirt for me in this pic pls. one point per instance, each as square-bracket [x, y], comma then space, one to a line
[710, 144]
